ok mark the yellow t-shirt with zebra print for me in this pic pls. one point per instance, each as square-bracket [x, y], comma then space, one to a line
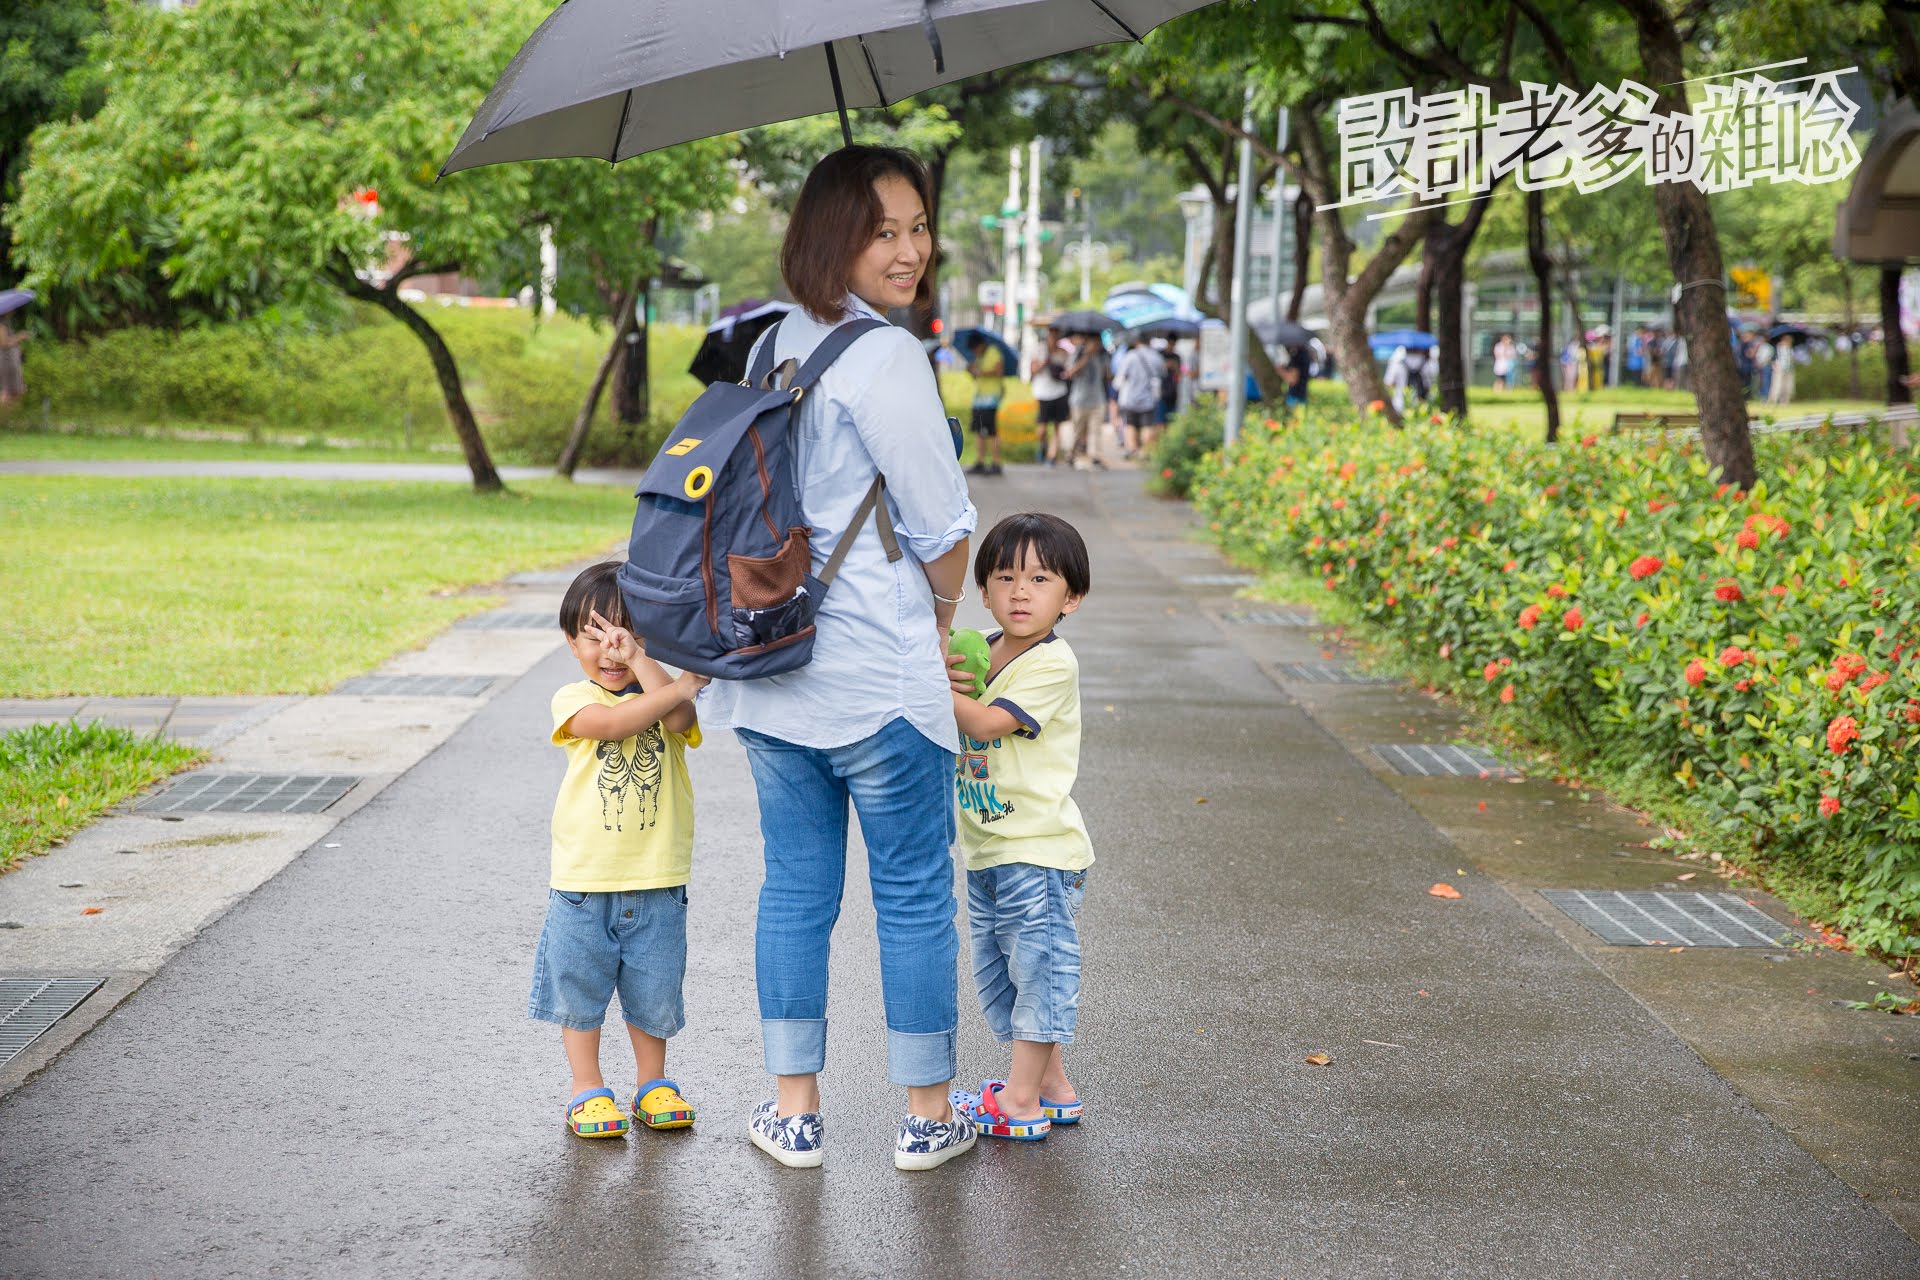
[624, 815]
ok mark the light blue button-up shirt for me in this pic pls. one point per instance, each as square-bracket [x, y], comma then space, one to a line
[876, 654]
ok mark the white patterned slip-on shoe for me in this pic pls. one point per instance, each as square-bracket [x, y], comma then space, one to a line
[925, 1144]
[798, 1142]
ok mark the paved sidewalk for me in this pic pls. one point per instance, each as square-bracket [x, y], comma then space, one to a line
[337, 1077]
[203, 722]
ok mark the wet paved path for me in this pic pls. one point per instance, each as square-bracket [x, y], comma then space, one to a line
[337, 1077]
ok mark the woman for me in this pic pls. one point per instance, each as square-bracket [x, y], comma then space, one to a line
[1044, 368]
[870, 719]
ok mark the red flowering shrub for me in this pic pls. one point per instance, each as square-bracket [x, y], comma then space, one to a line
[1825, 593]
[1829, 805]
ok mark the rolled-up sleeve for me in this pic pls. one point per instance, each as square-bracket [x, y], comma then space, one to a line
[904, 428]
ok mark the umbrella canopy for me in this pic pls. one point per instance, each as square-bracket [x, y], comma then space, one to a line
[610, 79]
[1285, 333]
[1411, 339]
[963, 343]
[723, 353]
[1170, 327]
[1779, 331]
[1095, 322]
[14, 299]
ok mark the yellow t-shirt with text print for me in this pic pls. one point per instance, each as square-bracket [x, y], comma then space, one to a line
[624, 815]
[1015, 793]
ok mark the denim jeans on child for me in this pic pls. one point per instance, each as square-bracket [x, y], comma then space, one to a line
[593, 944]
[1026, 949]
[901, 785]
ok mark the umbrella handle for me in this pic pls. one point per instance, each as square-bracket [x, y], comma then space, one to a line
[839, 98]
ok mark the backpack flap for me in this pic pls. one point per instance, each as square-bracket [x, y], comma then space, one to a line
[699, 447]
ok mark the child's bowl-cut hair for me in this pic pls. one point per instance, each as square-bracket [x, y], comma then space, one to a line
[1050, 540]
[595, 589]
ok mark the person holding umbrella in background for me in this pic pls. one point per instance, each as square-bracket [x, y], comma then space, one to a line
[1086, 375]
[13, 382]
[988, 365]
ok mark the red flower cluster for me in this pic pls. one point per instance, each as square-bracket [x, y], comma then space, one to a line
[1339, 504]
[1509, 566]
[1841, 730]
[1347, 470]
[1874, 680]
[1506, 693]
[1656, 505]
[1529, 616]
[1746, 539]
[1645, 567]
[1493, 669]
[1828, 806]
[1728, 590]
[1913, 711]
[1732, 656]
[1765, 523]
[1557, 591]
[1642, 620]
[1573, 619]
[1696, 672]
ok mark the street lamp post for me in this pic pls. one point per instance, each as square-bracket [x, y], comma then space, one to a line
[1242, 241]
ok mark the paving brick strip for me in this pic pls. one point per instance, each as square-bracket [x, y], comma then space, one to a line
[335, 1076]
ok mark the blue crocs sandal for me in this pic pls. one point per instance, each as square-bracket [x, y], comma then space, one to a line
[1058, 1112]
[983, 1109]
[594, 1114]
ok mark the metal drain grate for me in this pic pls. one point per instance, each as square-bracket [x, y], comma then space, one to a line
[1283, 617]
[1671, 919]
[1327, 673]
[249, 793]
[1427, 760]
[418, 686]
[1219, 580]
[29, 1006]
[511, 620]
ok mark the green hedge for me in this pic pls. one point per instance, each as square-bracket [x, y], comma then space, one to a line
[1831, 377]
[366, 378]
[1762, 650]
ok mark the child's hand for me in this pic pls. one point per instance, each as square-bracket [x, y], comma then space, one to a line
[619, 643]
[960, 681]
[690, 683]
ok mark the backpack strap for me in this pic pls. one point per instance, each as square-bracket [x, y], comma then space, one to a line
[830, 348]
[871, 505]
[763, 359]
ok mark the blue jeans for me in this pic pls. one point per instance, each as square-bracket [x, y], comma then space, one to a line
[1026, 949]
[593, 944]
[901, 785]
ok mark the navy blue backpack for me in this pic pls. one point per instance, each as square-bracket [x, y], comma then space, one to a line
[719, 574]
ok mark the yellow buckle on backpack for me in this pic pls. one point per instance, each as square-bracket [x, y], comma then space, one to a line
[699, 480]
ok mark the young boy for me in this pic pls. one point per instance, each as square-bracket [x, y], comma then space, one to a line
[1027, 849]
[622, 853]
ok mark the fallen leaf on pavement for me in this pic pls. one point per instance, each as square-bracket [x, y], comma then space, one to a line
[91, 911]
[1199, 799]
[1424, 994]
[1688, 876]
[1444, 891]
[1320, 1059]
[1674, 951]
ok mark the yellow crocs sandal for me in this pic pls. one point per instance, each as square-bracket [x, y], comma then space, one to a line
[594, 1114]
[657, 1104]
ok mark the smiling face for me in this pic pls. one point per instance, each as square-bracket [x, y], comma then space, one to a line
[1026, 598]
[887, 272]
[597, 665]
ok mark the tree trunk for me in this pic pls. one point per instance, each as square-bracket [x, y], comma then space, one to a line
[1347, 298]
[485, 478]
[1423, 288]
[1302, 251]
[1447, 247]
[1693, 254]
[1898, 363]
[1273, 387]
[1545, 365]
[583, 420]
[633, 370]
[1853, 345]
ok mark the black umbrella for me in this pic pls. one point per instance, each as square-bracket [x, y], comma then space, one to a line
[1793, 331]
[1285, 333]
[610, 78]
[723, 353]
[1168, 327]
[1095, 322]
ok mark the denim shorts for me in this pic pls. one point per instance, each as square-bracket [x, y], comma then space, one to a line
[593, 944]
[1026, 949]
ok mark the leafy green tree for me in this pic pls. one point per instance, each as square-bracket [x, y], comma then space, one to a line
[237, 134]
[42, 43]
[607, 221]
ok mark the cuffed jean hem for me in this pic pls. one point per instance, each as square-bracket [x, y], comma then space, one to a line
[915, 1059]
[794, 1046]
[1061, 1038]
[574, 1024]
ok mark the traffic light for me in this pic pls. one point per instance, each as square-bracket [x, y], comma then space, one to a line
[939, 326]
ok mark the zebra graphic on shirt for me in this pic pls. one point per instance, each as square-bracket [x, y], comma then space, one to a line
[648, 748]
[614, 780]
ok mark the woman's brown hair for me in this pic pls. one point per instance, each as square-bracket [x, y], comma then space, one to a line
[835, 219]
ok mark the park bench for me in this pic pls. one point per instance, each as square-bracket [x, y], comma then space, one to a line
[1893, 415]
[1666, 420]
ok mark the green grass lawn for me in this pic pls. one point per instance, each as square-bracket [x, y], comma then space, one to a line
[1585, 412]
[164, 586]
[55, 778]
